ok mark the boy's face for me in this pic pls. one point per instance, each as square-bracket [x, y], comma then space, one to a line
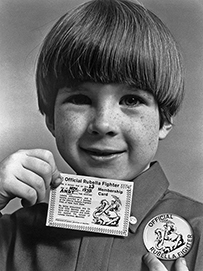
[110, 131]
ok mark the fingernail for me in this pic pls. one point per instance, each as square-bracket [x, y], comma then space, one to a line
[145, 256]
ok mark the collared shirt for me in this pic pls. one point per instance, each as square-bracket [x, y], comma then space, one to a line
[27, 244]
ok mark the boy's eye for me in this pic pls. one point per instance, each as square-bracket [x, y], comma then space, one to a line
[78, 99]
[131, 100]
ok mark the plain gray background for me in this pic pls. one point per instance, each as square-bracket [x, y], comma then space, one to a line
[23, 25]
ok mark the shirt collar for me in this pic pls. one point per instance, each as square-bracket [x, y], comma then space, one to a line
[149, 187]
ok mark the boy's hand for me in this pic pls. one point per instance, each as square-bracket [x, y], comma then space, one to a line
[155, 265]
[27, 174]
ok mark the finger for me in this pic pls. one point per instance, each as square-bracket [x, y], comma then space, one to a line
[153, 263]
[16, 188]
[26, 203]
[47, 156]
[55, 183]
[34, 181]
[56, 178]
[181, 265]
[40, 167]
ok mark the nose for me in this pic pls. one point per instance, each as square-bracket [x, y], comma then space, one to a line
[103, 122]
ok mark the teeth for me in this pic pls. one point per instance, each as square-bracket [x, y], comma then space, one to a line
[101, 153]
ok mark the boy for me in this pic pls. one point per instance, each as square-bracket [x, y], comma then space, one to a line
[109, 81]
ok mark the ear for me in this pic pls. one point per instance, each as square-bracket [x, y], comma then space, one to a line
[50, 125]
[165, 129]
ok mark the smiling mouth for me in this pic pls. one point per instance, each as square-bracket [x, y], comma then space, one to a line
[103, 153]
[100, 153]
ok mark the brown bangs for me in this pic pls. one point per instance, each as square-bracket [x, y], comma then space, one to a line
[111, 42]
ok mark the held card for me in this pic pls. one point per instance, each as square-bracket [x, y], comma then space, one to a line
[91, 204]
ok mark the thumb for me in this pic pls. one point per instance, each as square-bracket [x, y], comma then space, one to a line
[153, 263]
[56, 178]
[181, 265]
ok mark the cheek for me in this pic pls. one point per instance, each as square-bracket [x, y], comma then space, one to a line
[144, 132]
[69, 125]
[151, 131]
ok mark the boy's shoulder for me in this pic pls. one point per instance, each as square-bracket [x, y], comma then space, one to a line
[183, 204]
[179, 196]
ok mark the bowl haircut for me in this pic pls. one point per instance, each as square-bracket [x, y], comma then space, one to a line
[111, 41]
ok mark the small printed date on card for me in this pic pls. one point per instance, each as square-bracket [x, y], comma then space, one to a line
[91, 204]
